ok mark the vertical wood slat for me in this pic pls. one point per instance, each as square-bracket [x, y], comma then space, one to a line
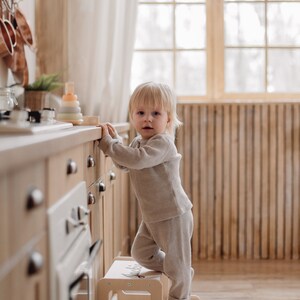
[280, 182]
[241, 168]
[265, 184]
[195, 178]
[287, 206]
[210, 182]
[242, 182]
[295, 182]
[203, 182]
[218, 180]
[234, 182]
[249, 181]
[226, 183]
[272, 181]
[257, 181]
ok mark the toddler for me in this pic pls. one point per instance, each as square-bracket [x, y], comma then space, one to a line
[163, 240]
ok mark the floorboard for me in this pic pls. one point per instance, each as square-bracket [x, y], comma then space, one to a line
[245, 280]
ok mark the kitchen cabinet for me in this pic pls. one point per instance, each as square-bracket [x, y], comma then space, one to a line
[65, 170]
[109, 207]
[28, 279]
[52, 165]
[23, 233]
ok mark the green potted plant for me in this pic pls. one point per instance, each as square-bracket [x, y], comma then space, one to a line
[35, 94]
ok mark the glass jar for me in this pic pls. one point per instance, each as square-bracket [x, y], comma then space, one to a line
[7, 99]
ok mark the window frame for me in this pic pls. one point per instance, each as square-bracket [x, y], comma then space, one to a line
[215, 64]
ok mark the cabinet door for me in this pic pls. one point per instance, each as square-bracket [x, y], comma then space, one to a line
[27, 205]
[108, 225]
[65, 170]
[91, 162]
[123, 200]
[28, 280]
[95, 205]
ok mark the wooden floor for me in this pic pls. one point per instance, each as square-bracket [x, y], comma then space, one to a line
[236, 280]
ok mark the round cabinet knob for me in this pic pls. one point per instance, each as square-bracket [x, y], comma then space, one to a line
[91, 161]
[91, 198]
[112, 176]
[35, 198]
[102, 186]
[36, 263]
[71, 167]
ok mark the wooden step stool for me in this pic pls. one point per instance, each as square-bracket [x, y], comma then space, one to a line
[130, 281]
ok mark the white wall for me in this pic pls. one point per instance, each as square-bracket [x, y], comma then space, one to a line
[28, 8]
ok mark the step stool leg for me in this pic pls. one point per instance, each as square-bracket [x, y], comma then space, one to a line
[104, 290]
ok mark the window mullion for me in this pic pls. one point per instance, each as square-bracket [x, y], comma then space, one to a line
[215, 49]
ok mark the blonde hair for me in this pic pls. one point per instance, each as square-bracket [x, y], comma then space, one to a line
[156, 95]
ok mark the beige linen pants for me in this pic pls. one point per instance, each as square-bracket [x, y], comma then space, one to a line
[166, 247]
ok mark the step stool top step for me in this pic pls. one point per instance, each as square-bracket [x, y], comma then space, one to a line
[130, 269]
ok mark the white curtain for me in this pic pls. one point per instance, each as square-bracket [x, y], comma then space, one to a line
[101, 40]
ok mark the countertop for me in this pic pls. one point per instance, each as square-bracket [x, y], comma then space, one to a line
[18, 150]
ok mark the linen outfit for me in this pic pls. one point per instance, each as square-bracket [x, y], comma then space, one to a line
[162, 242]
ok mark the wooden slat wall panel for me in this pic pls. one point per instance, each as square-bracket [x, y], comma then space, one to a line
[241, 169]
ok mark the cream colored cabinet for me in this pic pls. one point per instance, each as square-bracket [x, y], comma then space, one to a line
[55, 165]
[28, 280]
[108, 214]
[65, 170]
[24, 256]
[27, 205]
[91, 162]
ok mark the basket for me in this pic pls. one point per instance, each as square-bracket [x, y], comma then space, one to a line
[36, 100]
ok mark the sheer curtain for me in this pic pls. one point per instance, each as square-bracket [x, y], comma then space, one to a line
[101, 40]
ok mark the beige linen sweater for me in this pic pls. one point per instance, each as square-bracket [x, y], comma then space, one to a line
[153, 167]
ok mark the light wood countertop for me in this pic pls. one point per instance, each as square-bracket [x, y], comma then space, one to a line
[19, 150]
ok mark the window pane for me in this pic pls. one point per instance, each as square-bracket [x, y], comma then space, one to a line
[154, 28]
[284, 71]
[190, 26]
[284, 24]
[244, 24]
[191, 73]
[152, 66]
[244, 70]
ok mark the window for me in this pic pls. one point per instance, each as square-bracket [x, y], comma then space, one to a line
[220, 49]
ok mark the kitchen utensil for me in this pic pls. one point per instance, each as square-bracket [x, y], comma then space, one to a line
[17, 62]
[6, 46]
[23, 27]
[11, 30]
[6, 17]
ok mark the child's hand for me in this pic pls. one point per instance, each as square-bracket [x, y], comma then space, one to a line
[104, 129]
[111, 130]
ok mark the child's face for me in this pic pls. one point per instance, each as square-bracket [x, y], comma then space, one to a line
[149, 121]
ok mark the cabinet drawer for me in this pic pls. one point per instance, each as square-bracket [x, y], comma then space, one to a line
[91, 162]
[27, 204]
[65, 170]
[28, 280]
